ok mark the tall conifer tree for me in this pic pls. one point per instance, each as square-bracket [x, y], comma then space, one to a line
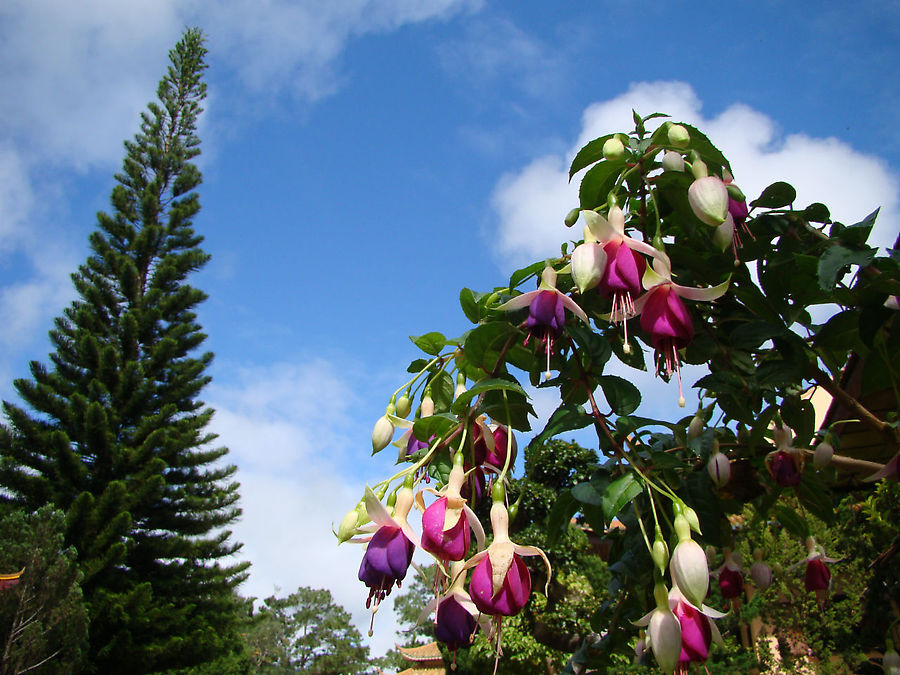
[113, 432]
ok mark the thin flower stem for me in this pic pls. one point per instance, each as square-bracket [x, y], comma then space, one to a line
[411, 382]
[506, 459]
[640, 520]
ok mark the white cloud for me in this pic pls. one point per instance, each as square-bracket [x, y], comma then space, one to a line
[532, 202]
[291, 432]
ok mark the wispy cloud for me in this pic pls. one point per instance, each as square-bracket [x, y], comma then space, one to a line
[530, 203]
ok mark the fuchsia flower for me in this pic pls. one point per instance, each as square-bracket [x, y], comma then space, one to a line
[666, 318]
[697, 630]
[731, 577]
[621, 278]
[389, 550]
[446, 522]
[817, 576]
[491, 445]
[785, 463]
[455, 616]
[546, 311]
[663, 630]
[501, 582]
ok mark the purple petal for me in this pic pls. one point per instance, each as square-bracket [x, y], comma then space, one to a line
[454, 625]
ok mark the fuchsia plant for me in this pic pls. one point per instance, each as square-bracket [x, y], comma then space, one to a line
[660, 209]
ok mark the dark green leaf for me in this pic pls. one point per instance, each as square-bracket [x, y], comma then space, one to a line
[776, 196]
[436, 425]
[623, 397]
[817, 213]
[620, 493]
[839, 332]
[483, 344]
[564, 507]
[590, 492]
[513, 410]
[753, 334]
[635, 355]
[590, 153]
[597, 183]
[595, 346]
[442, 389]
[469, 305]
[430, 343]
[835, 259]
[462, 402]
[856, 235]
[565, 418]
[522, 274]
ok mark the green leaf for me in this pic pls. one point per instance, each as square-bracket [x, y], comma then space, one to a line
[817, 213]
[813, 493]
[442, 390]
[483, 344]
[839, 332]
[591, 492]
[590, 153]
[800, 416]
[835, 259]
[635, 356]
[792, 521]
[704, 147]
[623, 397]
[597, 183]
[855, 235]
[566, 417]
[564, 507]
[595, 346]
[521, 275]
[436, 425]
[620, 493]
[753, 334]
[430, 343]
[462, 402]
[776, 196]
[469, 305]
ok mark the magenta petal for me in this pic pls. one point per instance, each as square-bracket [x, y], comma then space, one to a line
[624, 269]
[696, 634]
[817, 575]
[513, 593]
[546, 310]
[452, 544]
[666, 317]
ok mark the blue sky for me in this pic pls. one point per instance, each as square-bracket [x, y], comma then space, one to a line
[365, 159]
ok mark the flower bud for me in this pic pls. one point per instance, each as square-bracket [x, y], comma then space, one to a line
[613, 149]
[823, 454]
[672, 161]
[709, 200]
[382, 434]
[460, 385]
[760, 572]
[691, 517]
[660, 554]
[588, 265]
[890, 662]
[688, 566]
[427, 407]
[695, 428]
[723, 235]
[735, 193]
[572, 217]
[679, 136]
[403, 406]
[347, 528]
[719, 468]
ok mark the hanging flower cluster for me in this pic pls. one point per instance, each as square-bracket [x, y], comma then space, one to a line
[659, 211]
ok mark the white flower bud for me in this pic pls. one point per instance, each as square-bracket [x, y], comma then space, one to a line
[347, 528]
[709, 200]
[719, 468]
[672, 161]
[588, 265]
[695, 428]
[613, 149]
[403, 406]
[823, 454]
[382, 434]
[679, 136]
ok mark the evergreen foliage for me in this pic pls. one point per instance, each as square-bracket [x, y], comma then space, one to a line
[113, 433]
[43, 622]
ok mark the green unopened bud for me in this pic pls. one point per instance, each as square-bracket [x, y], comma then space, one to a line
[362, 515]
[660, 554]
[691, 516]
[695, 428]
[347, 528]
[698, 168]
[403, 405]
[679, 136]
[382, 434]
[735, 192]
[460, 385]
[498, 493]
[572, 217]
[613, 149]
[673, 161]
